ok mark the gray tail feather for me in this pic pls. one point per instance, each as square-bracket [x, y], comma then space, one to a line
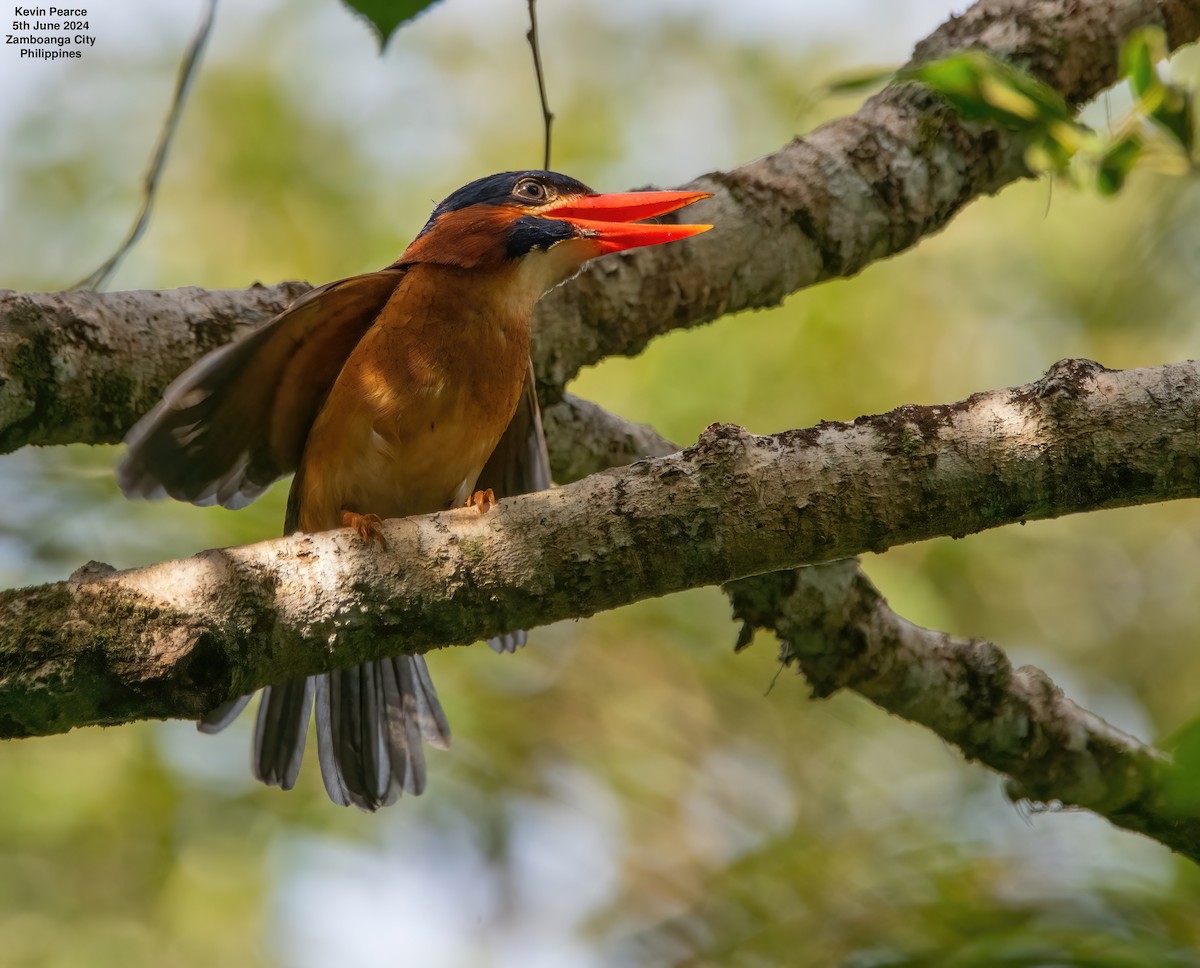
[371, 721]
[508, 642]
[280, 732]
[223, 715]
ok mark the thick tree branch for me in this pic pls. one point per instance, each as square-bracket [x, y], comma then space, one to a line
[836, 627]
[175, 638]
[856, 190]
[84, 367]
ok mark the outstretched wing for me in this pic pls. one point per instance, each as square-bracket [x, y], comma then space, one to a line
[236, 421]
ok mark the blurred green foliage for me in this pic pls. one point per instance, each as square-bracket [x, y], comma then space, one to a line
[983, 88]
[626, 790]
[1167, 105]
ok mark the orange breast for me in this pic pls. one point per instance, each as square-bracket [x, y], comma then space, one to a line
[421, 402]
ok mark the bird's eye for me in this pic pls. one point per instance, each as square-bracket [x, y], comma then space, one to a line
[532, 190]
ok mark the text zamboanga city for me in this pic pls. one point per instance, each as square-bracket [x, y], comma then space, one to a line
[51, 33]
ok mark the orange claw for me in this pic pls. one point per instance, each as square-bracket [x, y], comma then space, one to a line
[367, 526]
[484, 500]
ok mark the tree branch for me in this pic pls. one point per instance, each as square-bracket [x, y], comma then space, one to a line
[584, 438]
[835, 626]
[83, 367]
[178, 637]
[833, 623]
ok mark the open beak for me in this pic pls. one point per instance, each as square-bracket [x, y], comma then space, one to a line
[613, 221]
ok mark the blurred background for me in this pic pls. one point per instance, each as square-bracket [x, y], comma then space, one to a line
[625, 791]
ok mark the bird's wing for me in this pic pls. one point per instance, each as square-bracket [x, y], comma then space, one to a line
[520, 464]
[237, 419]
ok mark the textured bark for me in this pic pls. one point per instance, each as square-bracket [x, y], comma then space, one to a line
[83, 367]
[584, 438]
[171, 639]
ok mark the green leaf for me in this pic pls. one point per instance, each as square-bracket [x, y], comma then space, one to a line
[1116, 163]
[1174, 114]
[1168, 105]
[983, 88]
[1182, 787]
[1143, 49]
[1050, 154]
[386, 15]
[957, 79]
[865, 81]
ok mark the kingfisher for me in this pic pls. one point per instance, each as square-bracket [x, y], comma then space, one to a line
[399, 392]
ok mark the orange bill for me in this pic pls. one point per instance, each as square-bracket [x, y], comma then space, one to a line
[613, 220]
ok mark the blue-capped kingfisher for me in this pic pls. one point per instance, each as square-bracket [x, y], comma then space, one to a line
[398, 392]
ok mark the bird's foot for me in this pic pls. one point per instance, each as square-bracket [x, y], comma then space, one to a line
[367, 526]
[484, 500]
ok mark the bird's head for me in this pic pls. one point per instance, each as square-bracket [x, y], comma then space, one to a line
[545, 223]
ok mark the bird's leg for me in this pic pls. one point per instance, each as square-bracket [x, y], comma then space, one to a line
[367, 526]
[484, 500]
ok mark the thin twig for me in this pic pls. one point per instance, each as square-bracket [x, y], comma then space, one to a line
[187, 70]
[534, 44]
